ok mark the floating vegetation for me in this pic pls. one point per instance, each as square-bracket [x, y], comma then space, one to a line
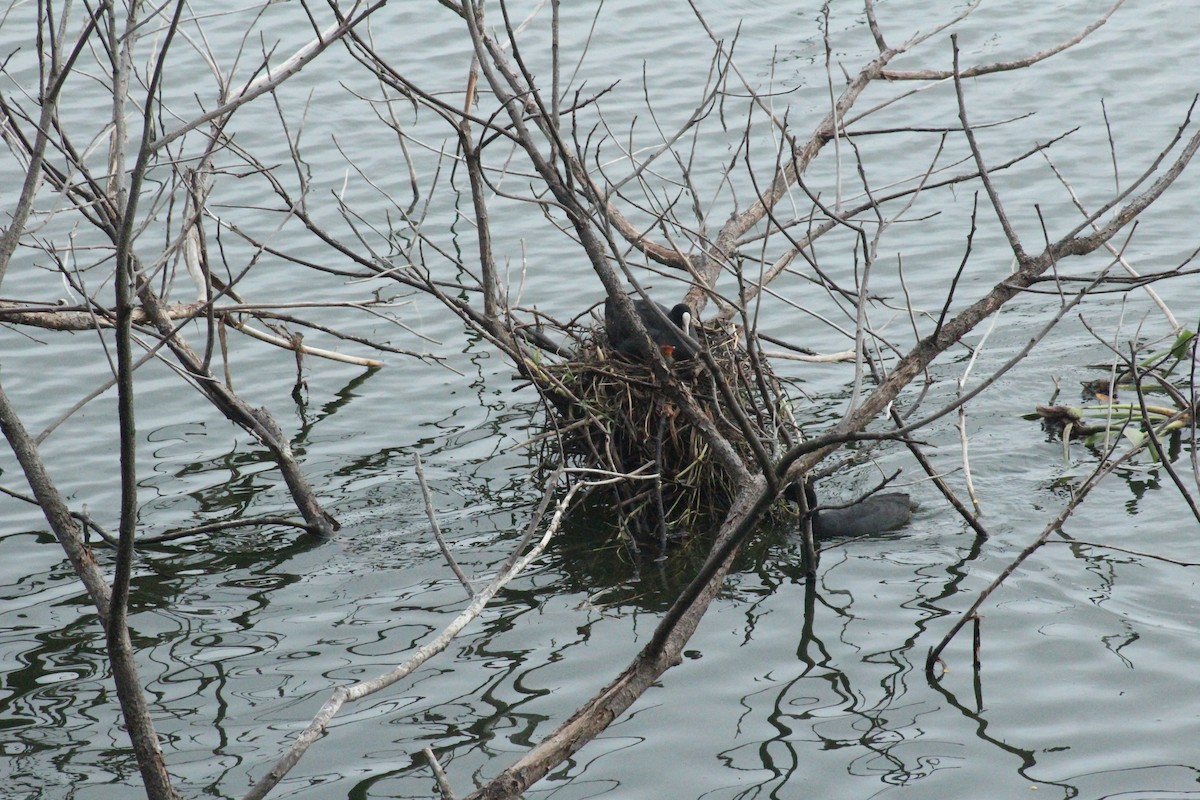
[1149, 399]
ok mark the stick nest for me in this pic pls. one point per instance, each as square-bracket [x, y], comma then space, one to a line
[609, 412]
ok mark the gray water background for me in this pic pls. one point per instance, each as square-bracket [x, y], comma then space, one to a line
[788, 689]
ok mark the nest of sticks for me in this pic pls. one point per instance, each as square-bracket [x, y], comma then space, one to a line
[608, 411]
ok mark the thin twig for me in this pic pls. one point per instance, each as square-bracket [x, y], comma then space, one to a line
[1102, 470]
[437, 531]
[438, 773]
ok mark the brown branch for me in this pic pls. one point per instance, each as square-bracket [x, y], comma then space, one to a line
[125, 674]
[127, 196]
[61, 520]
[258, 422]
[1003, 66]
[663, 652]
[80, 318]
[77, 318]
[269, 83]
[724, 246]
[1102, 470]
[1013, 240]
[1164, 460]
[48, 103]
[437, 531]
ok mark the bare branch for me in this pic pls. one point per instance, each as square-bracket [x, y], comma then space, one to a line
[516, 563]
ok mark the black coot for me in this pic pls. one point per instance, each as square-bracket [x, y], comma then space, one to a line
[669, 336]
[874, 514]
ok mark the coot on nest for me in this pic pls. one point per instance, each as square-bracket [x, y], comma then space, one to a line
[668, 335]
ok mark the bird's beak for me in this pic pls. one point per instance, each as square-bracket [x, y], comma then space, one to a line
[687, 323]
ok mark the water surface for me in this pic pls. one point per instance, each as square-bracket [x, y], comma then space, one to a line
[789, 687]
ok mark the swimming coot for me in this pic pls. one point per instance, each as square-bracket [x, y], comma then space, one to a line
[669, 336]
[874, 514]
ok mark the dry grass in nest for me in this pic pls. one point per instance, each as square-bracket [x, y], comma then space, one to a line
[612, 413]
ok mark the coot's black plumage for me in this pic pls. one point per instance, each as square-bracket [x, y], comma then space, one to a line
[669, 336]
[874, 514]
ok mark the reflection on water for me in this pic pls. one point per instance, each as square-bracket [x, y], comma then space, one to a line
[802, 683]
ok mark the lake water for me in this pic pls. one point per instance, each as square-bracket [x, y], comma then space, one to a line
[790, 687]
